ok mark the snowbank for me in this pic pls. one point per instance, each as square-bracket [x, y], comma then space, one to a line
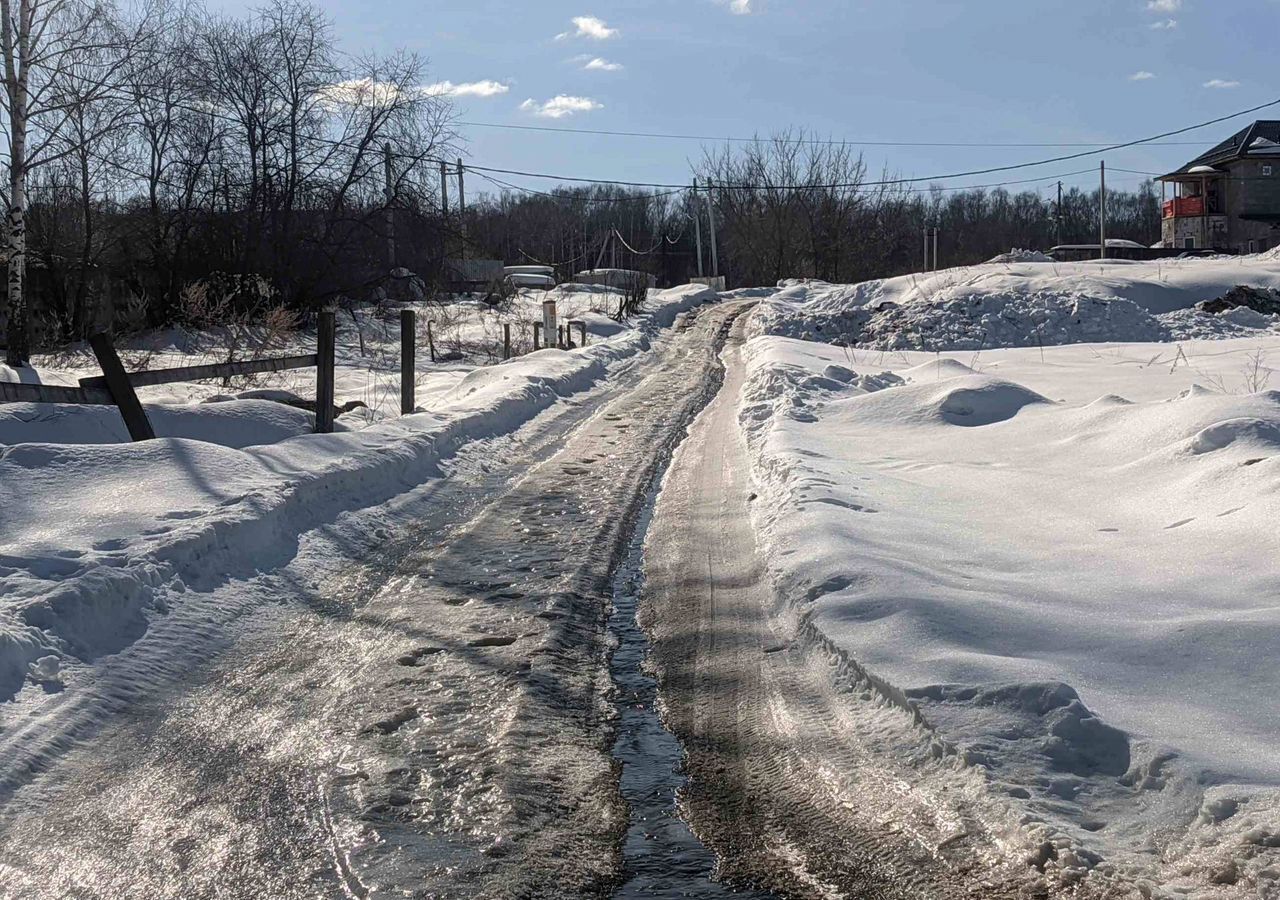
[92, 530]
[1024, 304]
[1064, 558]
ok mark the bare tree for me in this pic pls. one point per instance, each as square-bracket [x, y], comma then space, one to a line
[60, 57]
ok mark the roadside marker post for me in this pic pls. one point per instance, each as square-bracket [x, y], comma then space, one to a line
[506, 341]
[537, 335]
[408, 358]
[326, 333]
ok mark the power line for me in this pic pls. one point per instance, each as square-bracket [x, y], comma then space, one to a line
[896, 181]
[827, 142]
[562, 197]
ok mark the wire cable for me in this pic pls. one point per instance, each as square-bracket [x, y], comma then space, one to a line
[822, 142]
[895, 181]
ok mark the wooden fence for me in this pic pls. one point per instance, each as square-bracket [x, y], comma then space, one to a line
[118, 387]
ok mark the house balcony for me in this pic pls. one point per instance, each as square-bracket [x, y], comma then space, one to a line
[1189, 207]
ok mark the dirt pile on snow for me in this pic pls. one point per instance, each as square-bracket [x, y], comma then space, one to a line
[1021, 256]
[1262, 300]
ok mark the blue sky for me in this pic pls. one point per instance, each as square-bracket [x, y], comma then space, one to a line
[883, 70]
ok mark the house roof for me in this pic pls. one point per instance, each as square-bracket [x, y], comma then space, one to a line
[1262, 138]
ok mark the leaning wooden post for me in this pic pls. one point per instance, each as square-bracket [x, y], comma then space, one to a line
[537, 334]
[326, 333]
[431, 341]
[583, 327]
[560, 336]
[408, 356]
[506, 341]
[121, 389]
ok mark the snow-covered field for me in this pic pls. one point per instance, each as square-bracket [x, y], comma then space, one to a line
[95, 533]
[1063, 555]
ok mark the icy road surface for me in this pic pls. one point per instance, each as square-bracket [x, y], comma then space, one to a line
[805, 776]
[434, 722]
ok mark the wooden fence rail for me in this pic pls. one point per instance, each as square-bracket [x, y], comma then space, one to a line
[116, 387]
[152, 377]
[12, 392]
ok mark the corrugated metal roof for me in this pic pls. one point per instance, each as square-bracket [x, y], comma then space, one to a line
[1264, 132]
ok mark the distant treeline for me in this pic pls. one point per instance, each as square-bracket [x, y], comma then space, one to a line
[790, 208]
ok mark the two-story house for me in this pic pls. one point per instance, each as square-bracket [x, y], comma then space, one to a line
[1229, 198]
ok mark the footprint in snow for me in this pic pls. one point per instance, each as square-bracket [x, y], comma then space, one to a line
[1179, 524]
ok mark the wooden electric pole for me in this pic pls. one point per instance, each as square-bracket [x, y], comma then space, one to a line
[711, 223]
[1102, 213]
[697, 225]
[389, 201]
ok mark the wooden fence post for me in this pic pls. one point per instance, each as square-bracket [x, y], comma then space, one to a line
[431, 341]
[408, 358]
[326, 334]
[121, 389]
[506, 341]
[583, 327]
[537, 333]
[560, 336]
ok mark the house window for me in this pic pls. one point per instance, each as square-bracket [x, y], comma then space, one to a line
[1253, 246]
[1188, 243]
[1266, 170]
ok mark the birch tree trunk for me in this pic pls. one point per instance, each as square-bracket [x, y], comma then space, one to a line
[15, 45]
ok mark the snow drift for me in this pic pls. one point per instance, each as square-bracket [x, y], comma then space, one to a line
[1062, 559]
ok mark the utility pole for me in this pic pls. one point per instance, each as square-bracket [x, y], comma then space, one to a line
[697, 225]
[927, 229]
[936, 229]
[462, 211]
[711, 222]
[444, 190]
[390, 212]
[1102, 213]
[1057, 218]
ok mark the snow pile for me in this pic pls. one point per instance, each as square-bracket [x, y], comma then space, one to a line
[237, 423]
[977, 320]
[1063, 560]
[100, 537]
[1024, 305]
[1021, 256]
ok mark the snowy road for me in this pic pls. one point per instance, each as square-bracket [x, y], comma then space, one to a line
[798, 776]
[433, 722]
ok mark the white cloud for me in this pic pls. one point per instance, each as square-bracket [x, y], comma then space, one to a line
[600, 64]
[588, 27]
[1142, 76]
[560, 106]
[738, 7]
[1221, 84]
[466, 89]
[1164, 6]
[1164, 25]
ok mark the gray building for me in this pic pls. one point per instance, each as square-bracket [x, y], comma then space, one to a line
[1228, 198]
